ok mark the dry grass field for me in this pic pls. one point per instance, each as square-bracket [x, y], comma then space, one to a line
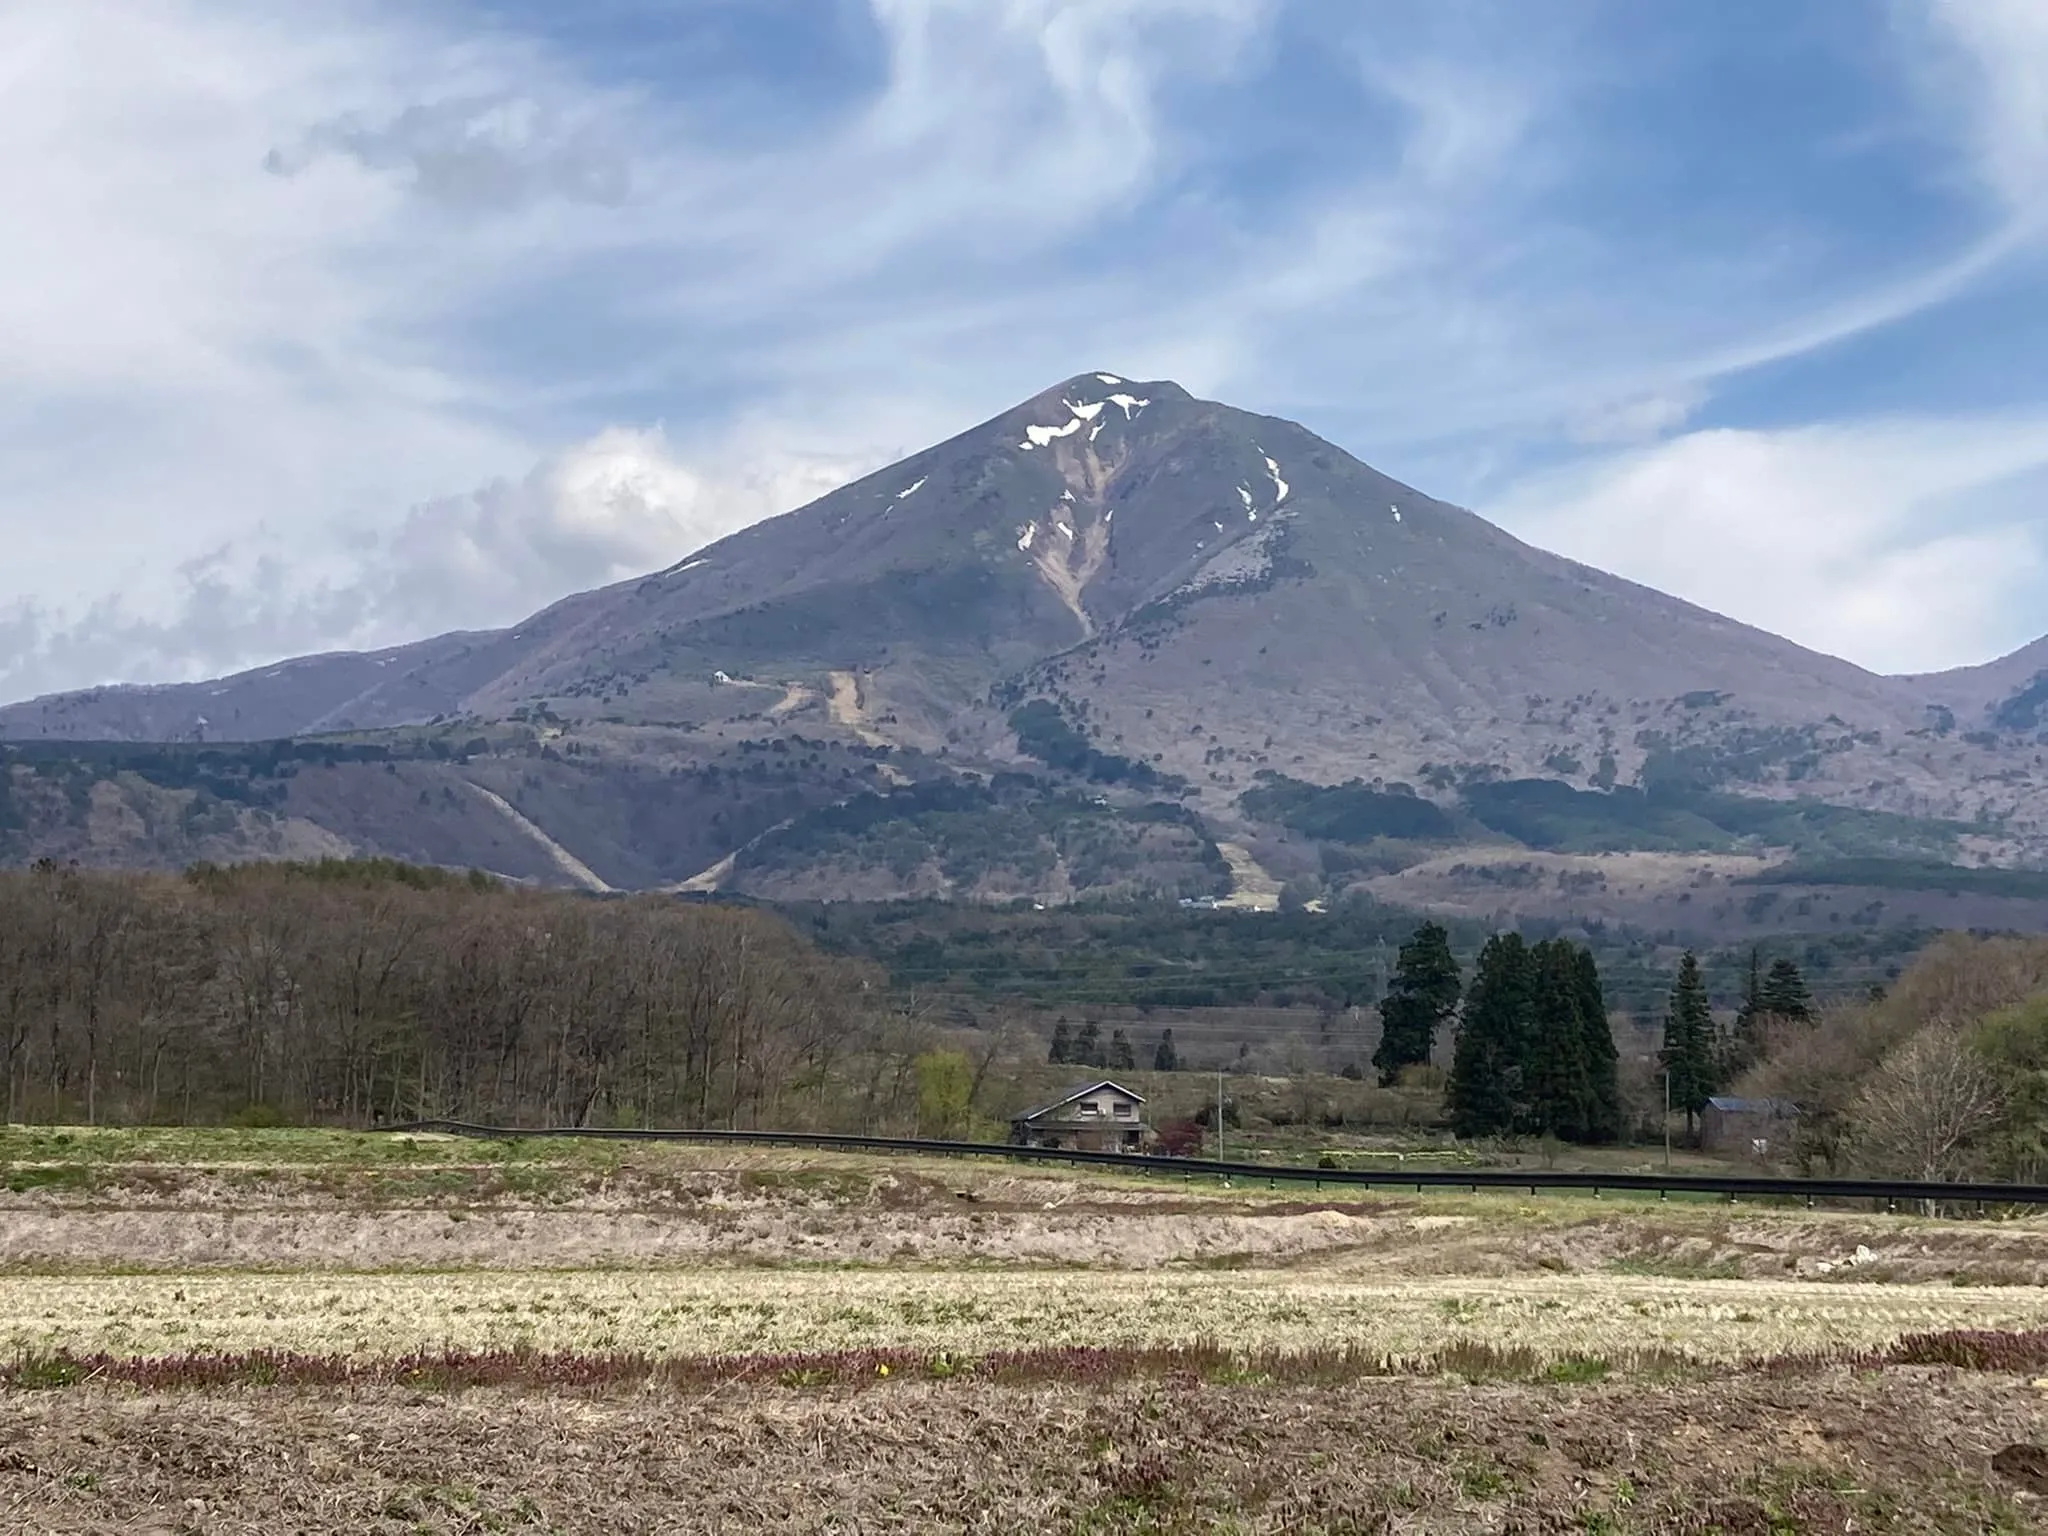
[741, 1312]
[1903, 1451]
[305, 1332]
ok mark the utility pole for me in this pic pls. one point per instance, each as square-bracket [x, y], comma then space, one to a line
[1667, 1119]
[1219, 1114]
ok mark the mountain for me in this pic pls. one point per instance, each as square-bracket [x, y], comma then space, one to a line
[1115, 639]
[2008, 695]
[291, 698]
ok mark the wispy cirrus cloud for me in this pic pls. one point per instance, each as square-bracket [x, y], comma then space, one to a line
[358, 328]
[475, 152]
[1986, 66]
[614, 506]
[1902, 544]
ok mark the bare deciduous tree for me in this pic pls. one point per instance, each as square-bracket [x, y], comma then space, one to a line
[1924, 1111]
[356, 992]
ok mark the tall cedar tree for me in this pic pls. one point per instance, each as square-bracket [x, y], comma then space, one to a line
[1087, 1051]
[1062, 1050]
[1559, 1085]
[1785, 994]
[1121, 1057]
[1603, 1081]
[1689, 1054]
[1486, 1095]
[1422, 995]
[1746, 1047]
[1166, 1058]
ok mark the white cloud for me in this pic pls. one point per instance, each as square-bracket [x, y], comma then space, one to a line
[2000, 94]
[193, 348]
[615, 506]
[1645, 416]
[239, 408]
[1878, 541]
[480, 151]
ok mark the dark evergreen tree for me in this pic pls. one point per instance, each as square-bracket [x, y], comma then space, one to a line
[1603, 1079]
[1087, 1051]
[1121, 1057]
[1554, 1067]
[1166, 1058]
[1487, 1094]
[1062, 1050]
[1784, 992]
[1753, 989]
[1421, 996]
[1746, 1046]
[1689, 1053]
[1753, 1004]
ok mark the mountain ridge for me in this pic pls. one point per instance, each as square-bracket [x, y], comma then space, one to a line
[503, 646]
[1210, 598]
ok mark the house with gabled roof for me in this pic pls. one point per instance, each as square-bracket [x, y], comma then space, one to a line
[1101, 1117]
[1759, 1128]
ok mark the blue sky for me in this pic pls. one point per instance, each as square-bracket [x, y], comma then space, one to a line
[383, 319]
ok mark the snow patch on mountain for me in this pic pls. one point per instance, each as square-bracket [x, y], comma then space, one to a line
[906, 495]
[1039, 437]
[1279, 485]
[1084, 411]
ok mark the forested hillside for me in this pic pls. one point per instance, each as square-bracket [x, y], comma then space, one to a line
[1164, 956]
[362, 992]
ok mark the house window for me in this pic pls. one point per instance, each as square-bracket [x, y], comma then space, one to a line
[1089, 1109]
[1123, 1111]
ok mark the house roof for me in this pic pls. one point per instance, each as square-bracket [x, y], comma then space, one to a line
[1079, 1093]
[1728, 1104]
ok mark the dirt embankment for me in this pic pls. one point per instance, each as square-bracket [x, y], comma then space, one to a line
[1906, 1449]
[493, 1216]
[528, 1236]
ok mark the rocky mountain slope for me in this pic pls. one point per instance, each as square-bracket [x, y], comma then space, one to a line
[2008, 696]
[1120, 627]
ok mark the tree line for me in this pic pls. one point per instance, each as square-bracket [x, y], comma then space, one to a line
[1085, 1047]
[360, 992]
[1942, 1076]
[1699, 1058]
[1535, 1053]
[356, 992]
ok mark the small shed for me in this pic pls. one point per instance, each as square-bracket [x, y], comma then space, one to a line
[1102, 1117]
[1747, 1127]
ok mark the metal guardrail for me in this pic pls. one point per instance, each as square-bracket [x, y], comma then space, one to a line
[1732, 1184]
